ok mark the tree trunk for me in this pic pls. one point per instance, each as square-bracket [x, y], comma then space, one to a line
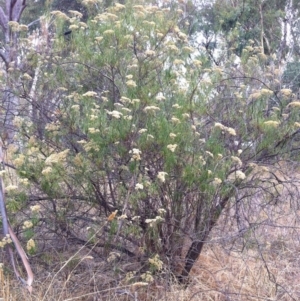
[190, 259]
[197, 245]
[10, 105]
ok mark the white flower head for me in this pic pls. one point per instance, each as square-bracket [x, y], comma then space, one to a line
[230, 131]
[139, 186]
[115, 114]
[98, 39]
[11, 188]
[76, 108]
[18, 121]
[93, 130]
[160, 97]
[294, 104]
[2, 172]
[150, 52]
[219, 126]
[35, 208]
[73, 27]
[124, 99]
[30, 245]
[75, 13]
[176, 106]
[122, 217]
[172, 147]
[57, 157]
[108, 32]
[141, 131]
[162, 176]
[161, 211]
[175, 120]
[151, 109]
[216, 182]
[112, 256]
[47, 170]
[209, 154]
[90, 94]
[131, 83]
[135, 154]
[155, 261]
[272, 123]
[240, 175]
[147, 277]
[27, 225]
[286, 92]
[237, 161]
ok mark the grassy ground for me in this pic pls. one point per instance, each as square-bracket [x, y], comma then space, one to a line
[219, 275]
[234, 271]
[259, 263]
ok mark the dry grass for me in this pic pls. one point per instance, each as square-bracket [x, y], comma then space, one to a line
[221, 274]
[261, 264]
[218, 276]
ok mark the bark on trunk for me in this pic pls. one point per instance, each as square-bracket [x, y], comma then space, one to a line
[197, 245]
[190, 259]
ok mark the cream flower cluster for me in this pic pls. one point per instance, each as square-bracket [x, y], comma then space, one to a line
[135, 154]
[5, 240]
[30, 245]
[155, 261]
[222, 127]
[57, 157]
[27, 225]
[162, 176]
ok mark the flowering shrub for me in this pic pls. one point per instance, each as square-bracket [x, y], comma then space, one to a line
[138, 121]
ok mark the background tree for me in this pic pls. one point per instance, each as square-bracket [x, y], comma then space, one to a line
[267, 24]
[9, 19]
